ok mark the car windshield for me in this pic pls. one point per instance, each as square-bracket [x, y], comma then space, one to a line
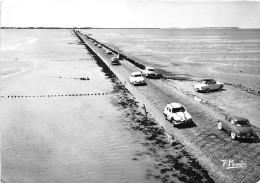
[150, 69]
[137, 75]
[204, 82]
[179, 109]
[242, 123]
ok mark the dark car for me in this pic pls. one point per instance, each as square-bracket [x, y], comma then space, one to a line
[115, 61]
[238, 127]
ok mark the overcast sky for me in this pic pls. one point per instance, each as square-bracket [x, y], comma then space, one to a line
[131, 13]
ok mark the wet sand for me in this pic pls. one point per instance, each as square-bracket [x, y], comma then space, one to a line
[50, 133]
[231, 100]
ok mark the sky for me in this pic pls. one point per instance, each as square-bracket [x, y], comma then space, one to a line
[131, 13]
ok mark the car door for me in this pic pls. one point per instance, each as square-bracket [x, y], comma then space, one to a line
[214, 85]
[224, 123]
[230, 125]
[209, 85]
[169, 112]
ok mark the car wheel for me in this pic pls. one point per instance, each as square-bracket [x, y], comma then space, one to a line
[220, 126]
[207, 90]
[171, 120]
[221, 87]
[233, 135]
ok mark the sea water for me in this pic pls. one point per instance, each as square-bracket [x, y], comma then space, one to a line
[48, 134]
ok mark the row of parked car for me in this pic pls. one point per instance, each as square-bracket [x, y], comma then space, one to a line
[137, 78]
[177, 114]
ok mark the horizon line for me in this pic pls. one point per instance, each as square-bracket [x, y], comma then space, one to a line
[82, 27]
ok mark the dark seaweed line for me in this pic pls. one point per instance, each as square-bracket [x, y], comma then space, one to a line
[98, 60]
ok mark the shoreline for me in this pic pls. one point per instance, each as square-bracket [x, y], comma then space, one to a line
[218, 173]
[12, 72]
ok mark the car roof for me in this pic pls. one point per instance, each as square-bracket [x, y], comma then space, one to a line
[175, 105]
[238, 118]
[114, 58]
[134, 73]
[207, 80]
[149, 67]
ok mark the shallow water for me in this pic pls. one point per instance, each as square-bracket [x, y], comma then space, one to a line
[48, 135]
[231, 56]
[62, 139]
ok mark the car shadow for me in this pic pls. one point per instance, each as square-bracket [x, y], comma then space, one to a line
[186, 125]
[153, 78]
[140, 85]
[213, 91]
[253, 140]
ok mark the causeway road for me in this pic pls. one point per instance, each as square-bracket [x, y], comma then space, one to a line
[226, 160]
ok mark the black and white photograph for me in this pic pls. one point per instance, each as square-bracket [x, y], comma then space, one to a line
[130, 91]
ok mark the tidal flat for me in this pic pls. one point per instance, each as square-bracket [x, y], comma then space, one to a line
[58, 127]
[228, 56]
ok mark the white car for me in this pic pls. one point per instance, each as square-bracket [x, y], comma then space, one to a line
[177, 114]
[136, 78]
[109, 52]
[99, 46]
[149, 72]
[208, 85]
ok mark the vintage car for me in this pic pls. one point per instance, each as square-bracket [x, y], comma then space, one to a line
[208, 85]
[149, 72]
[136, 78]
[109, 52]
[237, 126]
[177, 114]
[115, 61]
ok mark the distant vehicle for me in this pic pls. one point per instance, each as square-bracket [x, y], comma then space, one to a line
[120, 56]
[95, 44]
[177, 114]
[99, 46]
[238, 127]
[109, 52]
[208, 85]
[136, 78]
[149, 72]
[115, 61]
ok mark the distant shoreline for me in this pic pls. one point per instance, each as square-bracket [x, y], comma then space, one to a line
[173, 28]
